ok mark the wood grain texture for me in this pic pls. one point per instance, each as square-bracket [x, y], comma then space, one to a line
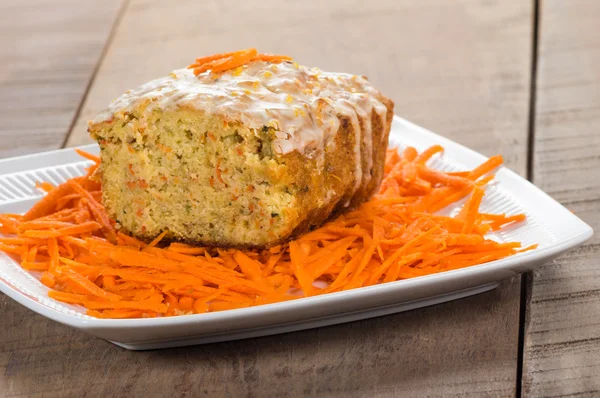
[562, 344]
[461, 69]
[460, 349]
[49, 51]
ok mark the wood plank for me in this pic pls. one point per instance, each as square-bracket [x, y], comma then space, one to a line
[451, 68]
[446, 350]
[49, 51]
[562, 342]
[460, 69]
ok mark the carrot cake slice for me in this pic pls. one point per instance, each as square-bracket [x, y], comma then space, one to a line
[241, 150]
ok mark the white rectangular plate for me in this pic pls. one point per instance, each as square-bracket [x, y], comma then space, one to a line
[549, 224]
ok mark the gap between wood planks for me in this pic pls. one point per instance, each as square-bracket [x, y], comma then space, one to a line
[527, 278]
[109, 40]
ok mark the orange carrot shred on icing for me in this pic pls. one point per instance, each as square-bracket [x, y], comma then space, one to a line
[69, 238]
[210, 58]
[231, 60]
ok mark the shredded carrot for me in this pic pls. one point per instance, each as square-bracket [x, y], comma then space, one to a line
[39, 224]
[238, 58]
[438, 177]
[158, 239]
[44, 186]
[428, 153]
[47, 204]
[11, 249]
[85, 227]
[249, 267]
[472, 210]
[48, 279]
[96, 208]
[89, 156]
[69, 237]
[210, 58]
[231, 60]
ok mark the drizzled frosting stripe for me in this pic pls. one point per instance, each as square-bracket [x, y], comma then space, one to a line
[303, 104]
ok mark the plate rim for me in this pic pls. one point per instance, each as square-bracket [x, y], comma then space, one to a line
[417, 282]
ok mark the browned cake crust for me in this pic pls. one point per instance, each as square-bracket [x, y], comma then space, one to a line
[341, 164]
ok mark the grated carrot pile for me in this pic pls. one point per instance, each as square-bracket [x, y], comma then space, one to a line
[83, 259]
[231, 60]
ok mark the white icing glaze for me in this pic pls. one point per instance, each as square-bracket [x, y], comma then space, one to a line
[347, 108]
[303, 104]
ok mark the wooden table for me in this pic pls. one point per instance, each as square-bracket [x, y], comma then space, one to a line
[520, 78]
